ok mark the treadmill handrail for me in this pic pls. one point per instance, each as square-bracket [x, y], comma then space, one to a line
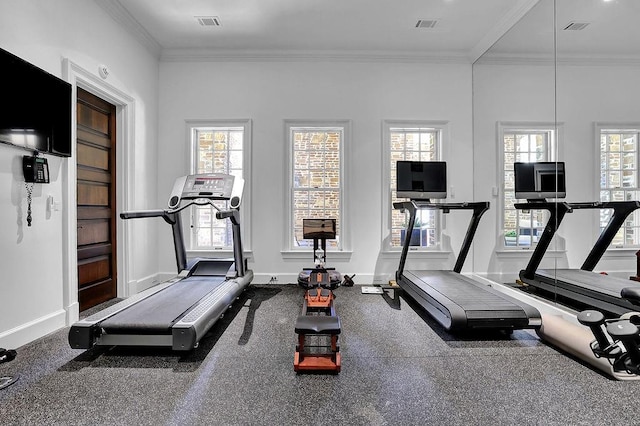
[558, 209]
[412, 206]
[172, 217]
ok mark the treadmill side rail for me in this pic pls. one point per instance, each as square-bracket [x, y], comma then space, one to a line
[84, 333]
[188, 331]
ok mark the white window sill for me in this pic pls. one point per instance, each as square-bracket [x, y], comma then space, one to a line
[341, 255]
[422, 254]
[213, 254]
[527, 252]
[620, 253]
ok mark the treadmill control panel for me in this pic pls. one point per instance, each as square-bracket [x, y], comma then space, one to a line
[212, 186]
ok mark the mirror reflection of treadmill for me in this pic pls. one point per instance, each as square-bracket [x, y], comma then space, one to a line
[456, 301]
[580, 287]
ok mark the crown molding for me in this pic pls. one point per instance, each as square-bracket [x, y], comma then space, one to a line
[122, 16]
[219, 55]
[561, 59]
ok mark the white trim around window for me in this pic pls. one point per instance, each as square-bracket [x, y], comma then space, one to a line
[192, 126]
[555, 131]
[442, 129]
[343, 250]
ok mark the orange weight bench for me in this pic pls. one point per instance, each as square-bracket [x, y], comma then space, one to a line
[317, 348]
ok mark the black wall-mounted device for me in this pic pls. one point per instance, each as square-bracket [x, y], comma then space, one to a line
[35, 169]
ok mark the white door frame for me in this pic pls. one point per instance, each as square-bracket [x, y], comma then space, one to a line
[125, 160]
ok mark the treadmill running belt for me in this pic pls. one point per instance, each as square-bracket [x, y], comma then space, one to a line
[606, 284]
[458, 302]
[157, 313]
[461, 290]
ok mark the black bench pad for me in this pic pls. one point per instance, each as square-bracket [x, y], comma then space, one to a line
[318, 324]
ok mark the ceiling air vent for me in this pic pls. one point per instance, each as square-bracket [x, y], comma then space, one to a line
[576, 26]
[426, 23]
[208, 21]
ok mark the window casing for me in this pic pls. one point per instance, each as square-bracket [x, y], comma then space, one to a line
[619, 179]
[412, 141]
[316, 178]
[521, 229]
[219, 147]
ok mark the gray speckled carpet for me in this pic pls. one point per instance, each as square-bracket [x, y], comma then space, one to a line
[398, 367]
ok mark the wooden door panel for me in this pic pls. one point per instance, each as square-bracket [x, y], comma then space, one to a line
[93, 175]
[96, 293]
[96, 202]
[93, 270]
[91, 156]
[94, 250]
[87, 137]
[93, 232]
[90, 194]
[92, 118]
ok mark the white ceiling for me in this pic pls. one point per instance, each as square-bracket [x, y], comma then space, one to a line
[465, 29]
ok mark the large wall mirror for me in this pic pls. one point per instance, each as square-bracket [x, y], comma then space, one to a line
[562, 85]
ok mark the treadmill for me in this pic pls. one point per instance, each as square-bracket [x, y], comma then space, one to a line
[456, 301]
[582, 286]
[177, 313]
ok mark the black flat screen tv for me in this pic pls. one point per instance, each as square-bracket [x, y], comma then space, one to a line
[421, 180]
[539, 181]
[36, 107]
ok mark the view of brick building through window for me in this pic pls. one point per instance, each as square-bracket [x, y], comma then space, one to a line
[217, 150]
[413, 144]
[316, 178]
[522, 228]
[619, 180]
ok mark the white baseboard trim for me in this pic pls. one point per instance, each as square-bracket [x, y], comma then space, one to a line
[136, 286]
[289, 278]
[26, 333]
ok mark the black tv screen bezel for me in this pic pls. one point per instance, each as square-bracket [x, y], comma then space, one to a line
[533, 189]
[428, 191]
[39, 107]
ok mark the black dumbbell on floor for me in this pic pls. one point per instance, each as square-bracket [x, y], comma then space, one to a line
[7, 355]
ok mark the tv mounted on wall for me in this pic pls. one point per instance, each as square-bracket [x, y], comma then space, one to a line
[36, 107]
[538, 181]
[421, 180]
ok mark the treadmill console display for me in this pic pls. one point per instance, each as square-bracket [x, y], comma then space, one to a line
[421, 180]
[539, 181]
[213, 186]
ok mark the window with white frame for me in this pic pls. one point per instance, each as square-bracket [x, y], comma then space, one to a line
[411, 141]
[619, 179]
[522, 228]
[218, 147]
[316, 177]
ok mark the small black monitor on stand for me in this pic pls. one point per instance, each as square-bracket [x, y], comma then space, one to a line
[421, 180]
[539, 181]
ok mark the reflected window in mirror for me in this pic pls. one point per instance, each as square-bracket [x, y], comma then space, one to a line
[619, 178]
[523, 143]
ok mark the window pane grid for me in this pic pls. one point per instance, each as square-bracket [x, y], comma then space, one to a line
[522, 228]
[619, 180]
[412, 144]
[218, 150]
[316, 179]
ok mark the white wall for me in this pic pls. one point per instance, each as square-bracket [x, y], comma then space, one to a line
[33, 261]
[526, 93]
[270, 92]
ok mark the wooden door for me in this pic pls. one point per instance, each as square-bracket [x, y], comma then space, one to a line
[96, 137]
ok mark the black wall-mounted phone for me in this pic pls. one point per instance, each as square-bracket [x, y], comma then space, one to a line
[35, 169]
